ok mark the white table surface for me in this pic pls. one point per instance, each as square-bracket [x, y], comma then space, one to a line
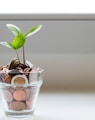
[62, 106]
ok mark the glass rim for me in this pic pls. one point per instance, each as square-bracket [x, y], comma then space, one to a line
[32, 84]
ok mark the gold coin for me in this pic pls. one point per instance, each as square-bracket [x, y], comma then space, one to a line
[19, 80]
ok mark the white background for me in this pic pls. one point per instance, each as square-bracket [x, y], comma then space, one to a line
[59, 106]
[47, 6]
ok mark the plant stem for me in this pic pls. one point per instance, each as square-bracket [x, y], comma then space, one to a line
[23, 56]
[17, 55]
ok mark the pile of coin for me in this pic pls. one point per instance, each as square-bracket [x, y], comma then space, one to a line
[20, 99]
[15, 68]
[19, 96]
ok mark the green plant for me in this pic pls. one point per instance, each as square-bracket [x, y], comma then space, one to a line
[20, 38]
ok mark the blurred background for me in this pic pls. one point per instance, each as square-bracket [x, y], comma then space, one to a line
[64, 48]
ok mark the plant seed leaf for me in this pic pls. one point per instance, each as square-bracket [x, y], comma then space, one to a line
[6, 44]
[18, 42]
[32, 31]
[11, 45]
[14, 29]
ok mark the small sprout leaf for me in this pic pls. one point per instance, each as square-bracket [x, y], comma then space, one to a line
[18, 42]
[11, 45]
[6, 44]
[14, 29]
[33, 31]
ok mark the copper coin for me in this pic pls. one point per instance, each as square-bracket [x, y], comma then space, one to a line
[29, 104]
[8, 96]
[1, 67]
[12, 90]
[8, 79]
[28, 92]
[19, 95]
[2, 76]
[16, 105]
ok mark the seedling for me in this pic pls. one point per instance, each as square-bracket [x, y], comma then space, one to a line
[20, 38]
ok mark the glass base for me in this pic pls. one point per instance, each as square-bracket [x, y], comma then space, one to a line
[24, 115]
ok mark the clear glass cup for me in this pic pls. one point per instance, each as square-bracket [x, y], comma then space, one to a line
[20, 100]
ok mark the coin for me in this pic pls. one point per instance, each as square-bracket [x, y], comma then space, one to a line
[8, 79]
[19, 80]
[29, 104]
[14, 63]
[2, 76]
[16, 105]
[8, 96]
[14, 72]
[19, 95]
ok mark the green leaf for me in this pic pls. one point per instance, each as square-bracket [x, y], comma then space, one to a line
[18, 41]
[11, 45]
[6, 44]
[14, 29]
[33, 31]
